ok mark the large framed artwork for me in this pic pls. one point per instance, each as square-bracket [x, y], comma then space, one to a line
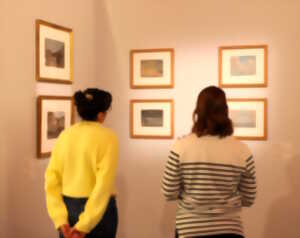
[54, 114]
[152, 119]
[152, 68]
[243, 66]
[249, 117]
[54, 53]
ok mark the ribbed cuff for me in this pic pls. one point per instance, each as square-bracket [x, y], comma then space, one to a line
[60, 221]
[82, 228]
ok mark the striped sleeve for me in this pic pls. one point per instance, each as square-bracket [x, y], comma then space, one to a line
[247, 186]
[171, 182]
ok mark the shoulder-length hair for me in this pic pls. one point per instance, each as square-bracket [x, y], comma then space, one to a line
[210, 116]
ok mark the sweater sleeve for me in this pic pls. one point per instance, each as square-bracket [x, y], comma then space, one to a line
[53, 188]
[171, 182]
[99, 198]
[247, 186]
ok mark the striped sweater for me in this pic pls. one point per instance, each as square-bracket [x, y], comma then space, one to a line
[212, 179]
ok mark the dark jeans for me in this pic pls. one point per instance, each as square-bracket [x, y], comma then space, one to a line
[107, 227]
[216, 236]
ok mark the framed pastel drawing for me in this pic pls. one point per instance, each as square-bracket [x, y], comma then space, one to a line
[152, 68]
[54, 53]
[152, 119]
[243, 66]
[249, 117]
[54, 114]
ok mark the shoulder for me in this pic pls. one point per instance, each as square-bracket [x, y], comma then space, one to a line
[241, 148]
[109, 134]
[181, 143]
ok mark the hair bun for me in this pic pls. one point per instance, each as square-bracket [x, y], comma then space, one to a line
[79, 98]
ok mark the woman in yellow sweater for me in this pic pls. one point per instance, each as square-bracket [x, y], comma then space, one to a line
[80, 178]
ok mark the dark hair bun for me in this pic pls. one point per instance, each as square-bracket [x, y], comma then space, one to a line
[92, 101]
[79, 98]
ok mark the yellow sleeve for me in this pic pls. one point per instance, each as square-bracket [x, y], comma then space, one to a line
[53, 187]
[99, 198]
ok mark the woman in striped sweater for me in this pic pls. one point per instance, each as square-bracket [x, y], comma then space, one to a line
[210, 173]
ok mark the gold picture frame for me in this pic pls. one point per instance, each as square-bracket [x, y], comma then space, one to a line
[243, 66]
[54, 53]
[152, 119]
[249, 118]
[152, 68]
[54, 114]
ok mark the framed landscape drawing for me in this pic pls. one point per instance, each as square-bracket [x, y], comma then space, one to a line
[152, 68]
[54, 114]
[249, 117]
[243, 66]
[152, 119]
[54, 53]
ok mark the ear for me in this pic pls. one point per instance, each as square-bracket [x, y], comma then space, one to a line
[101, 116]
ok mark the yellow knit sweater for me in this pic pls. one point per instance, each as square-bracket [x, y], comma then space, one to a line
[83, 164]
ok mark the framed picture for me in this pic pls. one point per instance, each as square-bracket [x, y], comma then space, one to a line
[152, 119]
[152, 68]
[54, 114]
[243, 66]
[249, 117]
[54, 53]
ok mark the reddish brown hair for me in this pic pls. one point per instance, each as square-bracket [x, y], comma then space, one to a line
[211, 114]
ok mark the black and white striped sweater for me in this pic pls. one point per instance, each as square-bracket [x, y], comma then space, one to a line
[212, 179]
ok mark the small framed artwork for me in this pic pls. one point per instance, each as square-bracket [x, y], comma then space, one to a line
[152, 119]
[152, 68]
[243, 66]
[54, 53]
[54, 114]
[249, 118]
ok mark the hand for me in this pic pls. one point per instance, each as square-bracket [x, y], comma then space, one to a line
[76, 234]
[65, 229]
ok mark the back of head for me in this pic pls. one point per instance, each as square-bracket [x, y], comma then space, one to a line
[211, 113]
[92, 101]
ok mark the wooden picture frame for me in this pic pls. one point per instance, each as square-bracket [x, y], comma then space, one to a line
[243, 66]
[252, 117]
[56, 112]
[152, 68]
[152, 119]
[54, 53]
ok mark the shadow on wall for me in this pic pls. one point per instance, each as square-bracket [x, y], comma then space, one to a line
[168, 214]
[284, 216]
[121, 203]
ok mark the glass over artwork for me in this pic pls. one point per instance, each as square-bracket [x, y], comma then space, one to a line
[152, 68]
[249, 118]
[243, 118]
[54, 114]
[242, 65]
[152, 118]
[56, 124]
[54, 53]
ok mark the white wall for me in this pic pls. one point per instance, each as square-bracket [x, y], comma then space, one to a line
[195, 29]
[22, 199]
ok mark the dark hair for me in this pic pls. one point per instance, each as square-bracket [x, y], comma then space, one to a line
[211, 114]
[92, 101]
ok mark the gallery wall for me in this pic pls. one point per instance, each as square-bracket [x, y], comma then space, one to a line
[22, 199]
[195, 29]
[104, 33]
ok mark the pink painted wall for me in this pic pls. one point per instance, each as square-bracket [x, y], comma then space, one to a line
[195, 29]
[22, 199]
[104, 33]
